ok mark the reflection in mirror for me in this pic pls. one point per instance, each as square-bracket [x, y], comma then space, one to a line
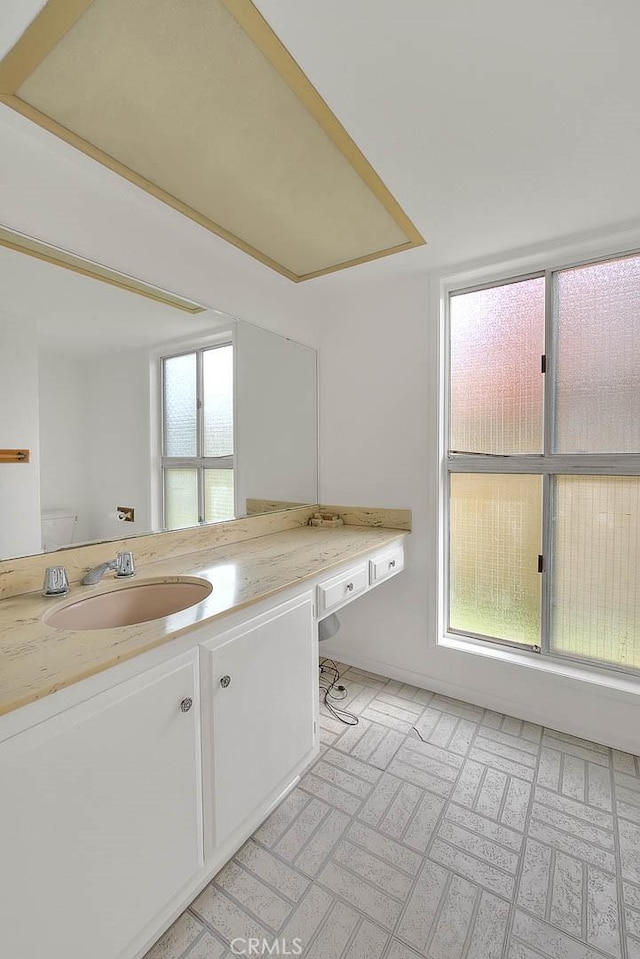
[198, 436]
[139, 416]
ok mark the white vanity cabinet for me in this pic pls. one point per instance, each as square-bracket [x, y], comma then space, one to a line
[122, 795]
[260, 725]
[114, 811]
[100, 817]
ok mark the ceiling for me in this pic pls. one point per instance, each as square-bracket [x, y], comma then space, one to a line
[497, 126]
[198, 103]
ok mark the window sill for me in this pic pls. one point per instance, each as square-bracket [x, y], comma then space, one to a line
[595, 675]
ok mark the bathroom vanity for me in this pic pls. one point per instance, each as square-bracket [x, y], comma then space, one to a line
[135, 761]
[138, 754]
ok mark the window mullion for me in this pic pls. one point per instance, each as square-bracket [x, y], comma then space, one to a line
[217, 462]
[163, 416]
[586, 464]
[550, 365]
[200, 432]
[486, 463]
[546, 585]
[201, 496]
[199, 405]
[177, 462]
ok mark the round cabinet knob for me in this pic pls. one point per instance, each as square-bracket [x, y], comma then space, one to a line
[392, 564]
[225, 681]
[186, 704]
[350, 587]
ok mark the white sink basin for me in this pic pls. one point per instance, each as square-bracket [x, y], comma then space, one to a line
[131, 604]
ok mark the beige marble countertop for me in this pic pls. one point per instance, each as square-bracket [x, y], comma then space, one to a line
[37, 659]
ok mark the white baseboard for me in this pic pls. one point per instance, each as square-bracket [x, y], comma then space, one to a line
[624, 737]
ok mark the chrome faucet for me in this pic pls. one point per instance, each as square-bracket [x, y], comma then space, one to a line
[56, 581]
[123, 565]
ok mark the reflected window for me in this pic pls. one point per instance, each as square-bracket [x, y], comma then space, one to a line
[198, 437]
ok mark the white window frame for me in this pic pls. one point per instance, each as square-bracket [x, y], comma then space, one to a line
[198, 462]
[547, 465]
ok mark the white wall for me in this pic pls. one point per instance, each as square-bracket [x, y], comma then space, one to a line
[95, 440]
[19, 482]
[118, 442]
[374, 408]
[378, 415]
[64, 478]
[276, 413]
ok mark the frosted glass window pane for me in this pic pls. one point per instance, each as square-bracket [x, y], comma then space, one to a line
[495, 537]
[497, 339]
[598, 358]
[217, 373]
[596, 593]
[180, 498]
[218, 495]
[180, 407]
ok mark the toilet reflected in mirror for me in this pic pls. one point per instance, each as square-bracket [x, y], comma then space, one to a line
[57, 526]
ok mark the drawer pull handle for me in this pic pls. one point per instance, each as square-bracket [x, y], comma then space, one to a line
[392, 564]
[349, 587]
[186, 704]
[225, 681]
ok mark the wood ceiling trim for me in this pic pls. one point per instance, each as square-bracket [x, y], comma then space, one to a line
[409, 245]
[21, 243]
[59, 16]
[257, 28]
[49, 27]
[52, 126]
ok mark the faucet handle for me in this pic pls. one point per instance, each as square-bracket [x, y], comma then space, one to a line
[125, 565]
[56, 581]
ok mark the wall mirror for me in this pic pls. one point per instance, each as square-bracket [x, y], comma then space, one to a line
[139, 411]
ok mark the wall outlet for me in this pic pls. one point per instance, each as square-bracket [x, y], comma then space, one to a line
[126, 514]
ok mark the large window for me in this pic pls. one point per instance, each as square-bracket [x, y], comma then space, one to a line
[197, 437]
[543, 463]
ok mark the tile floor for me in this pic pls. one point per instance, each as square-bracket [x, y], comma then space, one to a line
[495, 838]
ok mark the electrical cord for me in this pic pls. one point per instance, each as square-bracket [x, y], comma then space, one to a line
[335, 692]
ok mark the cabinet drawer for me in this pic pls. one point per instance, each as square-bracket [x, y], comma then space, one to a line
[334, 592]
[382, 567]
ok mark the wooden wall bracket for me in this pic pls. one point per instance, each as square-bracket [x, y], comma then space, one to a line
[15, 456]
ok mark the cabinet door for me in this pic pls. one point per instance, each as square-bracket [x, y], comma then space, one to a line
[100, 818]
[263, 712]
